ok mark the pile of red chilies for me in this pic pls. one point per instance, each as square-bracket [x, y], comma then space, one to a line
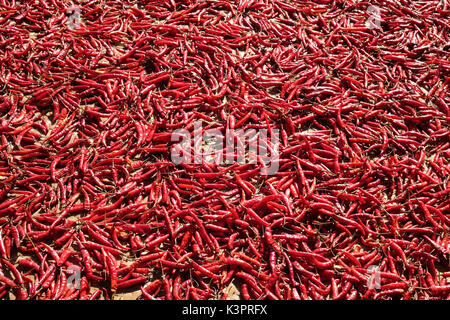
[87, 181]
